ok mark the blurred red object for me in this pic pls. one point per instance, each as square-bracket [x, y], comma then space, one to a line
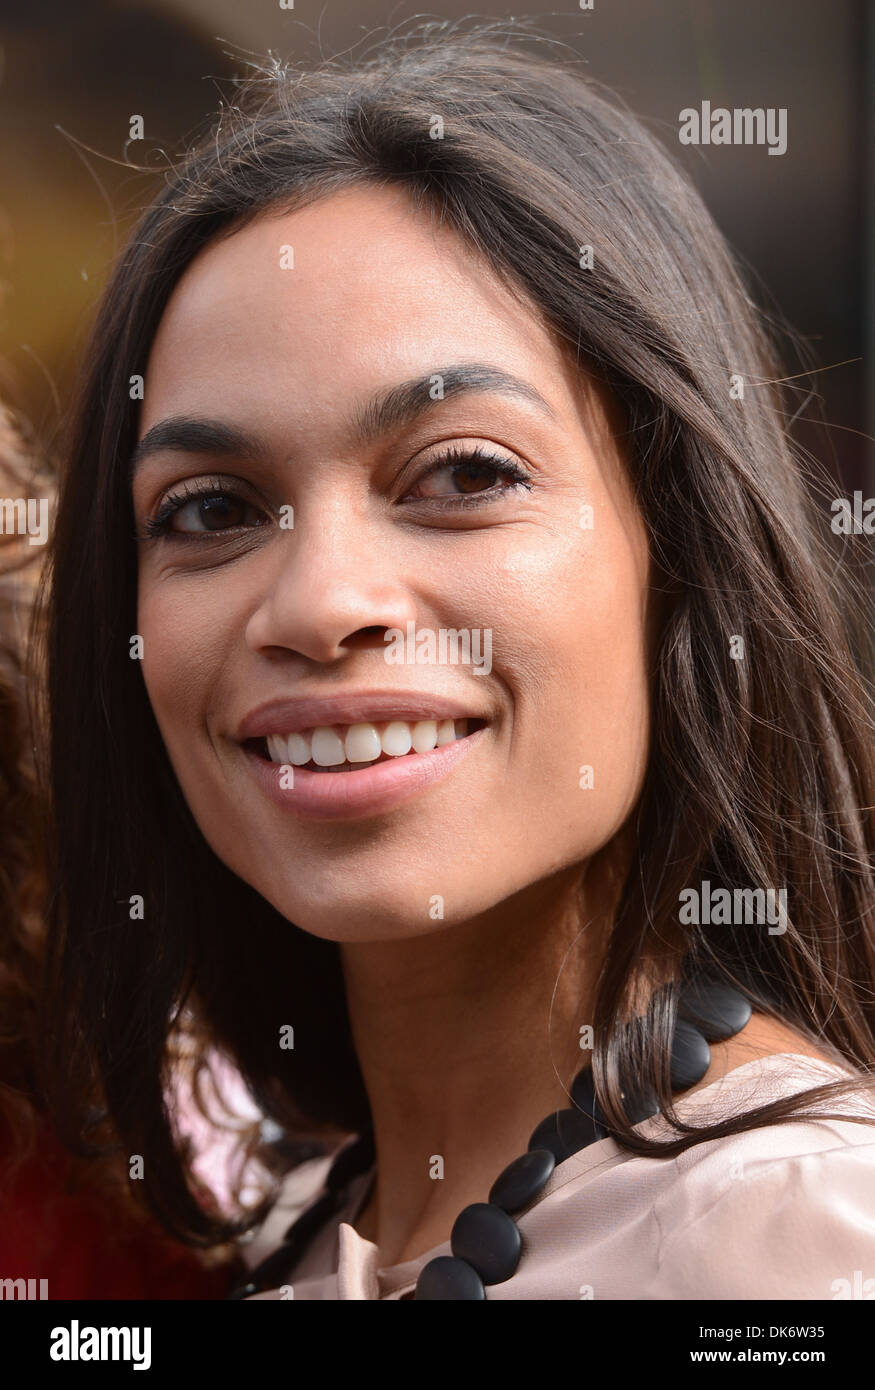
[87, 1243]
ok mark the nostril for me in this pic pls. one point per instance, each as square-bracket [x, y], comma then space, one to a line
[365, 639]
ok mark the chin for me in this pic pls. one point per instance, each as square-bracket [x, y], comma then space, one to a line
[364, 910]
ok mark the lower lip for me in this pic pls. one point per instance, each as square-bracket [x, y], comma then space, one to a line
[365, 791]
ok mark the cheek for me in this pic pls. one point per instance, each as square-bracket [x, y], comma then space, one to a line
[572, 648]
[185, 649]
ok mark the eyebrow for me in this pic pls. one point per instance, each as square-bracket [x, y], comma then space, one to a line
[385, 411]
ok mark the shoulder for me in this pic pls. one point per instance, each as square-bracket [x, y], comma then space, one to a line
[781, 1211]
[784, 1210]
[793, 1224]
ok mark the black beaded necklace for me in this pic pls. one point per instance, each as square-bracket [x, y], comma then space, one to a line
[485, 1240]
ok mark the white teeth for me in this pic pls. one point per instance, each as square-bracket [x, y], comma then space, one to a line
[295, 749]
[358, 745]
[299, 749]
[277, 748]
[424, 736]
[396, 739]
[362, 743]
[327, 748]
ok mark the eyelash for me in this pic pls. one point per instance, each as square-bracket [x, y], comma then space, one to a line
[455, 457]
[159, 524]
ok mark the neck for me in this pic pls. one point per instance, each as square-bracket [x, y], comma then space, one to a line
[467, 1037]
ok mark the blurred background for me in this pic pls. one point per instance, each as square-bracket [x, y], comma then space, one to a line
[72, 75]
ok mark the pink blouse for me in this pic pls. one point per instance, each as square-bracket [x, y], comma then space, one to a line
[787, 1211]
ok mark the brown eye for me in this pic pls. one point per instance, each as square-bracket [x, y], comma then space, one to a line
[204, 512]
[217, 513]
[467, 473]
[459, 477]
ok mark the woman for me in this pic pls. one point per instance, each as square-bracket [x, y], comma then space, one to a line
[449, 703]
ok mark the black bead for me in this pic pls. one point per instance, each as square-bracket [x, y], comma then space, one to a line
[565, 1132]
[487, 1239]
[717, 1010]
[445, 1277]
[583, 1090]
[639, 1106]
[583, 1096]
[690, 1056]
[522, 1180]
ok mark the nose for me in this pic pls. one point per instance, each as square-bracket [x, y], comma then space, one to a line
[333, 585]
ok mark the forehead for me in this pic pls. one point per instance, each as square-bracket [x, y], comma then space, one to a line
[356, 288]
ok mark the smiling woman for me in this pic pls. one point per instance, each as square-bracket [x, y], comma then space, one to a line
[279, 618]
[447, 883]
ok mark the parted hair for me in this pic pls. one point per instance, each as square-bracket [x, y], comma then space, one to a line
[760, 771]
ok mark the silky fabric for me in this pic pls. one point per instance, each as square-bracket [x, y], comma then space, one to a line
[782, 1212]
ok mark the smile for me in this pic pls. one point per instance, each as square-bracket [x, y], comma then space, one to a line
[342, 748]
[374, 765]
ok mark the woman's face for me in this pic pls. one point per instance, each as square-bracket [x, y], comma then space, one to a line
[316, 390]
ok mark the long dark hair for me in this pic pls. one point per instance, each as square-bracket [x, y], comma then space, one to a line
[760, 771]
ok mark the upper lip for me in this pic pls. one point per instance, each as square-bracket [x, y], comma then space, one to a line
[290, 716]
